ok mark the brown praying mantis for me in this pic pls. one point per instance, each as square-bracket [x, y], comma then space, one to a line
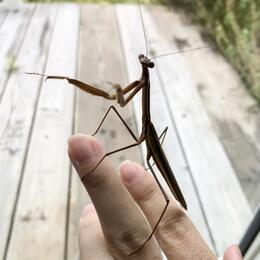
[148, 133]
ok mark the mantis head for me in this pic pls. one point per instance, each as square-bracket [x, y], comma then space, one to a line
[145, 61]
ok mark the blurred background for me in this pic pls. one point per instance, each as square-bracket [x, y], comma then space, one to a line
[205, 87]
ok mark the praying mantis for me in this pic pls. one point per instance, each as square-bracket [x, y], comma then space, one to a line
[148, 133]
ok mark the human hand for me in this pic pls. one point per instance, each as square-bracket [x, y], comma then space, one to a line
[115, 227]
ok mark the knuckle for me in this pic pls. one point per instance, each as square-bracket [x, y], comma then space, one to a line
[128, 241]
[174, 227]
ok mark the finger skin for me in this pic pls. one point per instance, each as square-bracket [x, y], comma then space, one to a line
[92, 243]
[122, 222]
[176, 234]
[232, 253]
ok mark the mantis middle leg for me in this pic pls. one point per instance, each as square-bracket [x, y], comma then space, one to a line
[164, 209]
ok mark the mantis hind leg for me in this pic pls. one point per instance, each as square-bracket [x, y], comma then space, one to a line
[164, 209]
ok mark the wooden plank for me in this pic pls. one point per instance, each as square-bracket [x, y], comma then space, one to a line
[244, 155]
[39, 229]
[133, 43]
[223, 200]
[17, 112]
[12, 34]
[98, 23]
[3, 15]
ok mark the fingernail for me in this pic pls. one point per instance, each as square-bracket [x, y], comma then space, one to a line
[130, 171]
[80, 150]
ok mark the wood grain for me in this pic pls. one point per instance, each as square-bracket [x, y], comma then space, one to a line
[40, 219]
[12, 34]
[17, 112]
[3, 14]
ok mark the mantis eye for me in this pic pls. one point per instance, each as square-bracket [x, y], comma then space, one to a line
[150, 64]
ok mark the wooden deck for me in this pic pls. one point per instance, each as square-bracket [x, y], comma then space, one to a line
[41, 197]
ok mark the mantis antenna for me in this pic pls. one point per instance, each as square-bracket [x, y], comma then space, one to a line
[181, 51]
[144, 31]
